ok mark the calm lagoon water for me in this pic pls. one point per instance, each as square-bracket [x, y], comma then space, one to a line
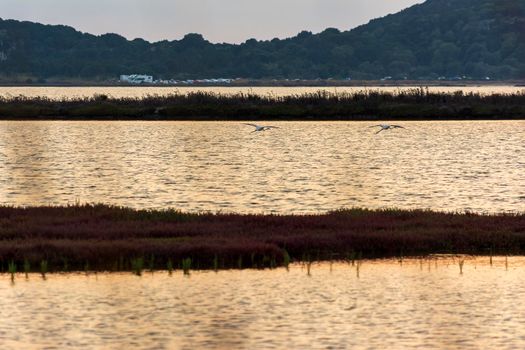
[301, 167]
[423, 304]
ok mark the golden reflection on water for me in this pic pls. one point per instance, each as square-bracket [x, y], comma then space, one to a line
[410, 305]
[301, 167]
[139, 91]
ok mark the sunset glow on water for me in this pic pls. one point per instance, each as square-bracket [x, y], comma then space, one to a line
[300, 167]
[411, 304]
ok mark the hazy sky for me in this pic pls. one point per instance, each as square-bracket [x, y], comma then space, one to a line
[218, 20]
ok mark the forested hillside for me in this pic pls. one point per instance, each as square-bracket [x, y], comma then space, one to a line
[439, 38]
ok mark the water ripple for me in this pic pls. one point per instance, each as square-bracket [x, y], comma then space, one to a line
[302, 167]
[417, 304]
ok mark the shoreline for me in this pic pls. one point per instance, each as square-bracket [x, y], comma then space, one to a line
[243, 83]
[255, 119]
[108, 238]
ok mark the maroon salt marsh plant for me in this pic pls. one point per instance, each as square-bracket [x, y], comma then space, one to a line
[108, 237]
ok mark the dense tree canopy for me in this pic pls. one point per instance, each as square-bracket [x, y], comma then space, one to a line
[439, 38]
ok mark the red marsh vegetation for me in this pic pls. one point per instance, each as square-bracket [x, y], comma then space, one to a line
[102, 237]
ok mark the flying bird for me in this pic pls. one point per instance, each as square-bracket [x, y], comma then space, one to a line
[261, 127]
[386, 127]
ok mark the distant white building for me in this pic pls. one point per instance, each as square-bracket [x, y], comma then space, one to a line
[136, 79]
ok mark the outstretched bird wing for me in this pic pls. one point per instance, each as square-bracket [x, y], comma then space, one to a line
[254, 125]
[375, 126]
[397, 126]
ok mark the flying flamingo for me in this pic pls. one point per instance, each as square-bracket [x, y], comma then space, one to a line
[261, 127]
[386, 127]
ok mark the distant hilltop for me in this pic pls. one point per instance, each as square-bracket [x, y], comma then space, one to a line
[439, 39]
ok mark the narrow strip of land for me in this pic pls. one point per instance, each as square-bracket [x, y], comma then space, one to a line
[112, 238]
[415, 104]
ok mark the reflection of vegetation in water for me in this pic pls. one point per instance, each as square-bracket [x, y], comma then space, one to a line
[308, 265]
[101, 237]
[405, 104]
[12, 269]
[445, 260]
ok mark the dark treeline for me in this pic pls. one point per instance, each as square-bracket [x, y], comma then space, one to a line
[439, 38]
[103, 237]
[402, 105]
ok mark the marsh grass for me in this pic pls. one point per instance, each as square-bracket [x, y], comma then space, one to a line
[120, 264]
[169, 266]
[12, 269]
[137, 265]
[216, 262]
[43, 268]
[406, 104]
[27, 268]
[239, 262]
[65, 266]
[309, 268]
[273, 262]
[358, 263]
[186, 266]
[351, 257]
[152, 263]
[286, 260]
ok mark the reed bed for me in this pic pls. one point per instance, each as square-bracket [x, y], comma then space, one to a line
[418, 103]
[109, 238]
